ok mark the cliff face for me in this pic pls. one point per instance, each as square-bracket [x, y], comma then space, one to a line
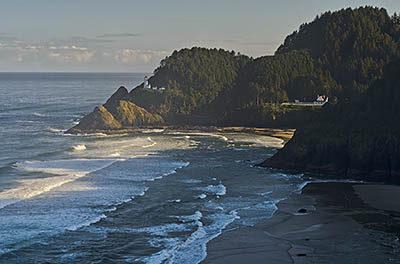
[353, 155]
[99, 119]
[357, 139]
[120, 94]
[129, 114]
[116, 114]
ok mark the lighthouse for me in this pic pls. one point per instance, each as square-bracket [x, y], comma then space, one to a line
[146, 84]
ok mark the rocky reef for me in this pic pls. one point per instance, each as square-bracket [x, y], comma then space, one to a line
[116, 114]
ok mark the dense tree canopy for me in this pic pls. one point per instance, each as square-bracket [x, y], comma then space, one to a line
[195, 77]
[283, 77]
[353, 44]
[339, 54]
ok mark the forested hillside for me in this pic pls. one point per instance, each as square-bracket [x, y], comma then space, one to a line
[353, 45]
[195, 80]
[359, 138]
[339, 54]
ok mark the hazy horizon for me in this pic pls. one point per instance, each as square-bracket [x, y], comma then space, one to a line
[132, 36]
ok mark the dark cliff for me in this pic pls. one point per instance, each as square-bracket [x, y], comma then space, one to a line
[356, 139]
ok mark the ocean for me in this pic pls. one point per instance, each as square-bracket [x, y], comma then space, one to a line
[151, 197]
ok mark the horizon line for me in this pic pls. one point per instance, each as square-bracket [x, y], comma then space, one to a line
[1, 72]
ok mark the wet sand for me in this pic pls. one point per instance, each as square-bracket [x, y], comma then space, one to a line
[341, 223]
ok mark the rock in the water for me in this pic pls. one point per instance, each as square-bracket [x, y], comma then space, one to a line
[302, 211]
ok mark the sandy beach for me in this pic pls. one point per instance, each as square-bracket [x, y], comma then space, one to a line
[327, 223]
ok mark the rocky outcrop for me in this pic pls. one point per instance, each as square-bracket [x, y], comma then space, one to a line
[359, 156]
[129, 114]
[99, 119]
[120, 94]
[116, 114]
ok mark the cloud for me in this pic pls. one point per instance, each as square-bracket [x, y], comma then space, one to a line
[78, 40]
[120, 35]
[131, 56]
[73, 58]
[8, 39]
[74, 53]
[71, 48]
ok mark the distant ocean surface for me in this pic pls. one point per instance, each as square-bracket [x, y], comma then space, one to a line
[150, 197]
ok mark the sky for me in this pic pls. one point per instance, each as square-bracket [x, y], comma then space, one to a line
[134, 35]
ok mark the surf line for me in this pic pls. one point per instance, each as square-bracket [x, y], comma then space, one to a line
[153, 143]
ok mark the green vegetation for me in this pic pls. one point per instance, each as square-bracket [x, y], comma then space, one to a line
[353, 45]
[194, 79]
[355, 138]
[339, 54]
[289, 76]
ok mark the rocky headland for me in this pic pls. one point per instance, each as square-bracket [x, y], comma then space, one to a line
[340, 54]
[116, 115]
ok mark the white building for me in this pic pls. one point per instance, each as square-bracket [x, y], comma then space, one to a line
[146, 84]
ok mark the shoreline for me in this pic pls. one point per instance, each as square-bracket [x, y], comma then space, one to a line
[284, 134]
[328, 222]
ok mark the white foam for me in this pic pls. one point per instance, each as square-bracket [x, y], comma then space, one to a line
[128, 200]
[153, 143]
[218, 190]
[207, 134]
[265, 193]
[191, 181]
[38, 114]
[153, 131]
[179, 165]
[163, 230]
[97, 135]
[79, 147]
[55, 130]
[253, 213]
[175, 201]
[169, 173]
[239, 149]
[193, 249]
[190, 218]
[224, 138]
[88, 223]
[202, 196]
[66, 171]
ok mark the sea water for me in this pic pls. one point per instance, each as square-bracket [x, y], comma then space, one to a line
[150, 197]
